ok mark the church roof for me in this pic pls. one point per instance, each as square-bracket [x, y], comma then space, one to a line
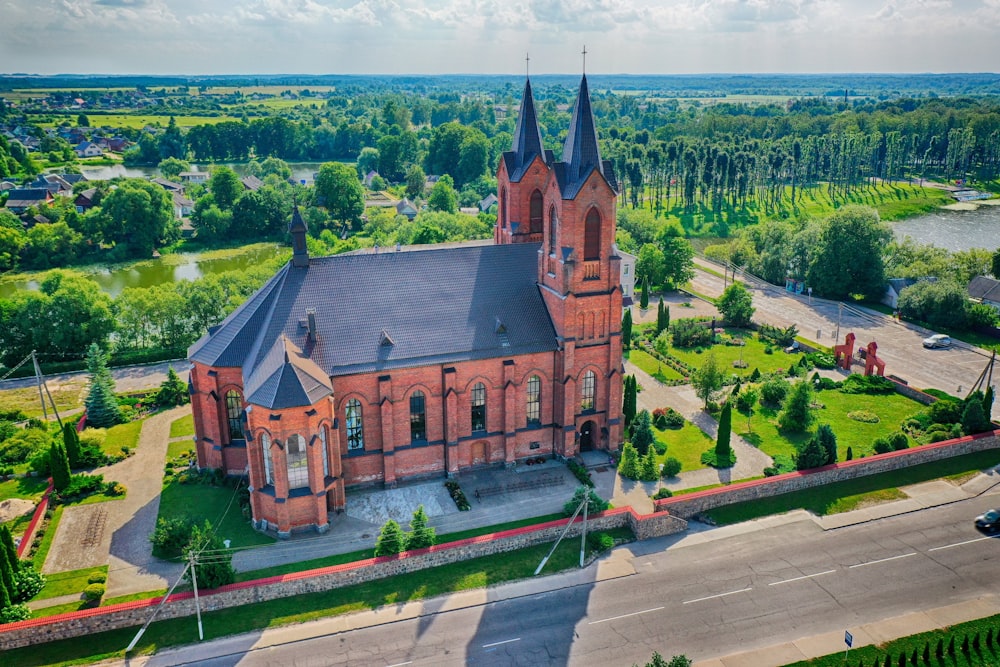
[285, 378]
[581, 153]
[527, 143]
[438, 305]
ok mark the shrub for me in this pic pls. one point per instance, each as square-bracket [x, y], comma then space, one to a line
[171, 536]
[747, 399]
[27, 582]
[83, 485]
[755, 375]
[946, 411]
[15, 613]
[659, 447]
[671, 467]
[780, 337]
[93, 592]
[774, 390]
[580, 472]
[811, 456]
[882, 445]
[974, 419]
[825, 384]
[863, 416]
[458, 495]
[673, 419]
[599, 542]
[21, 446]
[663, 493]
[649, 470]
[642, 432]
[899, 441]
[97, 578]
[821, 360]
[867, 384]
[796, 416]
[688, 332]
[391, 540]
[628, 466]
[710, 458]
[660, 418]
[596, 503]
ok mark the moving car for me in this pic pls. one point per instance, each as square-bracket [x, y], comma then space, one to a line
[937, 340]
[988, 521]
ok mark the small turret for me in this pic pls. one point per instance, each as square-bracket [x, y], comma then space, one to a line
[297, 228]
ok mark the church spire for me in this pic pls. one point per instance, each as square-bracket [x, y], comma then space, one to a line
[581, 152]
[527, 135]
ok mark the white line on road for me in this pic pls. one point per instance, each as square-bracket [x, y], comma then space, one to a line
[506, 641]
[958, 544]
[400, 664]
[883, 560]
[720, 595]
[634, 613]
[808, 576]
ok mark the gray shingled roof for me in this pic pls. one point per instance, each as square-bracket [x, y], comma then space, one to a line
[527, 141]
[285, 378]
[439, 305]
[984, 288]
[581, 153]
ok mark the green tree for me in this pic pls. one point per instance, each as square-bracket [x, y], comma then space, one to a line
[628, 466]
[811, 456]
[642, 432]
[71, 443]
[82, 120]
[261, 213]
[416, 180]
[974, 419]
[421, 535]
[225, 187]
[139, 215]
[7, 590]
[644, 294]
[46, 246]
[678, 261]
[848, 257]
[671, 467]
[59, 466]
[173, 391]
[941, 303]
[7, 549]
[662, 317]
[736, 305]
[629, 406]
[995, 263]
[210, 221]
[627, 329]
[988, 402]
[213, 562]
[595, 503]
[172, 143]
[339, 190]
[827, 440]
[443, 196]
[707, 380]
[391, 540]
[101, 405]
[12, 242]
[723, 450]
[649, 469]
[796, 415]
[651, 264]
[172, 167]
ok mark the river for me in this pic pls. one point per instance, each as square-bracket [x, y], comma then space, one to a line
[954, 230]
[169, 268]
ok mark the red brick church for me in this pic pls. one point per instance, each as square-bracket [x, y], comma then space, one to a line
[376, 367]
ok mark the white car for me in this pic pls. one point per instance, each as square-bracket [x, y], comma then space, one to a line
[937, 340]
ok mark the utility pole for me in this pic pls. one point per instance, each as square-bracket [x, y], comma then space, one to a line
[840, 313]
[38, 381]
[192, 556]
[563, 534]
[163, 600]
[583, 533]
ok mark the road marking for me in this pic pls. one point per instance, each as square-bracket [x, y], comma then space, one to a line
[634, 613]
[883, 560]
[958, 544]
[808, 576]
[506, 641]
[720, 595]
[400, 664]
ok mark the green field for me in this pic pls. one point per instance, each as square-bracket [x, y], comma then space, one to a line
[685, 444]
[653, 366]
[182, 427]
[138, 122]
[199, 502]
[27, 488]
[751, 352]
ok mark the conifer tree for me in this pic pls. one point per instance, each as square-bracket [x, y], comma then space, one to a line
[628, 466]
[642, 433]
[723, 451]
[8, 591]
[649, 468]
[644, 294]
[391, 540]
[173, 391]
[661, 317]
[101, 404]
[627, 329]
[59, 466]
[71, 442]
[421, 535]
[9, 551]
[827, 439]
[988, 402]
[973, 419]
[629, 404]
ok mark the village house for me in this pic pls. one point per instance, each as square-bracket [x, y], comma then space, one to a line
[376, 367]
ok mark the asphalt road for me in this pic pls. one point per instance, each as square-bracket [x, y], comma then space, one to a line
[706, 594]
[952, 370]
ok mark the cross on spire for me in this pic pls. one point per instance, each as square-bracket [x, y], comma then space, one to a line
[584, 58]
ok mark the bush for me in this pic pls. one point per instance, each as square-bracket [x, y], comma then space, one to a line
[774, 390]
[15, 613]
[83, 485]
[867, 384]
[599, 542]
[93, 592]
[863, 416]
[688, 332]
[899, 441]
[97, 578]
[825, 384]
[659, 447]
[663, 493]
[580, 472]
[171, 536]
[710, 458]
[629, 466]
[458, 496]
[671, 467]
[595, 505]
[882, 445]
[796, 416]
[21, 446]
[391, 540]
[821, 360]
[672, 419]
[27, 582]
[947, 411]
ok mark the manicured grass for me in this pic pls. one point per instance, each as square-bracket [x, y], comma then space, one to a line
[684, 444]
[205, 501]
[183, 426]
[122, 435]
[452, 578]
[891, 409]
[77, 605]
[68, 583]
[843, 496]
[176, 449]
[752, 353]
[50, 532]
[28, 488]
[653, 366]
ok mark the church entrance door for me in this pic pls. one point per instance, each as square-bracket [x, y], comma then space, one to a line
[480, 455]
[587, 436]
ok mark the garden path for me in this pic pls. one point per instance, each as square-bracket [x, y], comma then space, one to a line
[750, 461]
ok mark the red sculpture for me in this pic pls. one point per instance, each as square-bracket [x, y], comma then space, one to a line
[842, 353]
[872, 362]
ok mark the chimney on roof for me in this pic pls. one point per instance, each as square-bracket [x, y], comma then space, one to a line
[311, 324]
[297, 228]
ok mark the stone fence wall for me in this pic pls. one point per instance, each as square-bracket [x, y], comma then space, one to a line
[130, 614]
[691, 504]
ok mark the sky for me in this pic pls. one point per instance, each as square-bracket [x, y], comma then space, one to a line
[493, 36]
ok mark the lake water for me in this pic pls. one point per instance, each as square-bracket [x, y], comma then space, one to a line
[170, 268]
[301, 171]
[954, 230]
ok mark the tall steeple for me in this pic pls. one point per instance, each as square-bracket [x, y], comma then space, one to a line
[581, 152]
[527, 135]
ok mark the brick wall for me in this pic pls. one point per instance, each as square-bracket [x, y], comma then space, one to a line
[690, 504]
[130, 614]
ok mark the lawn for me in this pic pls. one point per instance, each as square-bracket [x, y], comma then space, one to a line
[183, 426]
[120, 436]
[67, 397]
[206, 501]
[847, 495]
[650, 364]
[28, 488]
[38, 559]
[890, 408]
[752, 353]
[465, 575]
[69, 582]
[179, 448]
[685, 444]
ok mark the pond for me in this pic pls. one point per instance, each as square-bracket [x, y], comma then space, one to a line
[954, 230]
[169, 268]
[301, 171]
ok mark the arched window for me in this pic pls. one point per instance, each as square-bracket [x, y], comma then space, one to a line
[534, 401]
[503, 208]
[592, 236]
[552, 230]
[234, 414]
[479, 407]
[326, 454]
[355, 430]
[587, 393]
[418, 416]
[535, 213]
[297, 461]
[265, 445]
